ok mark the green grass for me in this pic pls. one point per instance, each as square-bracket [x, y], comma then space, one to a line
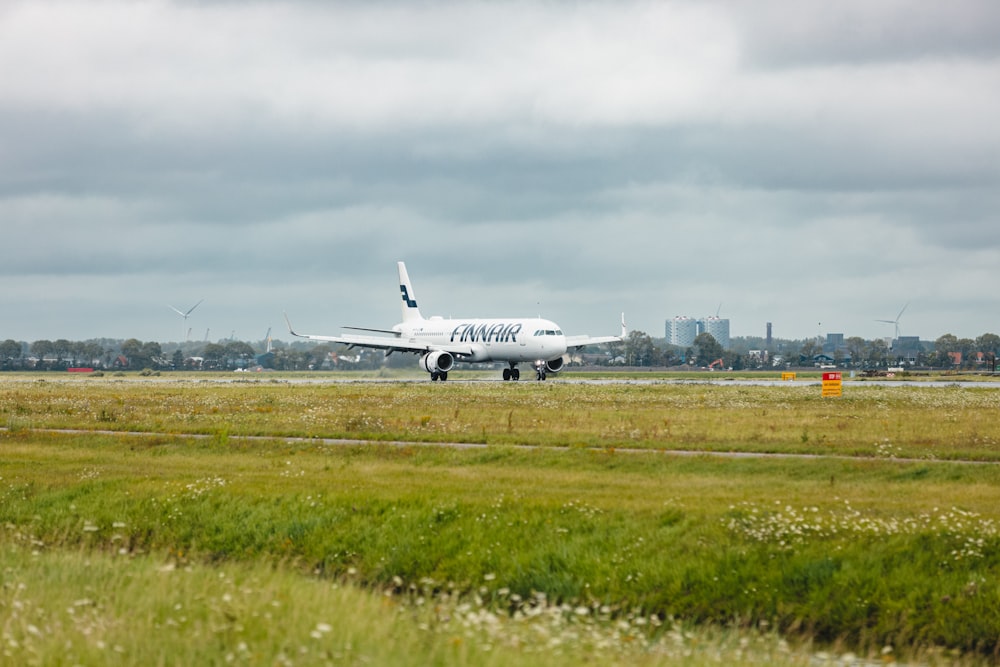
[854, 554]
[72, 607]
[858, 554]
[869, 420]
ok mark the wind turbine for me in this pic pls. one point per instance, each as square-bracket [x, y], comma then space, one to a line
[895, 322]
[185, 315]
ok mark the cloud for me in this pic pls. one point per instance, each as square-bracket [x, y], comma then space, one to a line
[786, 160]
[778, 34]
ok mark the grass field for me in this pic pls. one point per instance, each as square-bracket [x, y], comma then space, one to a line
[869, 420]
[176, 550]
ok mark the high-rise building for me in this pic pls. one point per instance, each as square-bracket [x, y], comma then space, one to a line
[681, 331]
[834, 344]
[718, 328]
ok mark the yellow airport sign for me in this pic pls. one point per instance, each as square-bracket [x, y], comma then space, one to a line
[832, 384]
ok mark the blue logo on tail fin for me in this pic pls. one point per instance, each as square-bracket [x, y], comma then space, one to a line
[410, 303]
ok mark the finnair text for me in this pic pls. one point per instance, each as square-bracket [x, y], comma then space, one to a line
[487, 332]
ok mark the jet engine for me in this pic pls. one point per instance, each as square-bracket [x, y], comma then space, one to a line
[554, 365]
[437, 361]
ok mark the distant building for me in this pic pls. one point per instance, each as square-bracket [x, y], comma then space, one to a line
[681, 331]
[718, 328]
[907, 344]
[907, 349]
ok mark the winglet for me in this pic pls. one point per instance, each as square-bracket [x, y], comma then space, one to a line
[624, 329]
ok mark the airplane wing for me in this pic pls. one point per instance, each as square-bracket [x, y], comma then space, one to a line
[394, 343]
[575, 342]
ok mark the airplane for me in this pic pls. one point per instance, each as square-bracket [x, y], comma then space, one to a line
[443, 342]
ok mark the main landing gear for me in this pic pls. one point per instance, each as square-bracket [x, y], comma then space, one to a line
[511, 373]
[514, 374]
[439, 375]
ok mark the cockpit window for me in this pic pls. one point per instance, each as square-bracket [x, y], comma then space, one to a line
[549, 332]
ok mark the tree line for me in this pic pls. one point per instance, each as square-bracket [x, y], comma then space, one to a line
[947, 352]
[638, 349]
[133, 354]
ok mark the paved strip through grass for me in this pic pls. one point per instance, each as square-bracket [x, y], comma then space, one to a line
[355, 442]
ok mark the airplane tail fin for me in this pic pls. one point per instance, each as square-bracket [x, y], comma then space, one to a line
[409, 306]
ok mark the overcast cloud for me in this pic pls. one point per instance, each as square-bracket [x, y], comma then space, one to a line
[812, 164]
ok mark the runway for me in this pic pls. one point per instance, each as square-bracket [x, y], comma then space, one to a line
[480, 378]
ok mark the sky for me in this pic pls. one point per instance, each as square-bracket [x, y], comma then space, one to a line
[812, 164]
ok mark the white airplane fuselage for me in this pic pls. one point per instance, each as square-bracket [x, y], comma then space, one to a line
[510, 340]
